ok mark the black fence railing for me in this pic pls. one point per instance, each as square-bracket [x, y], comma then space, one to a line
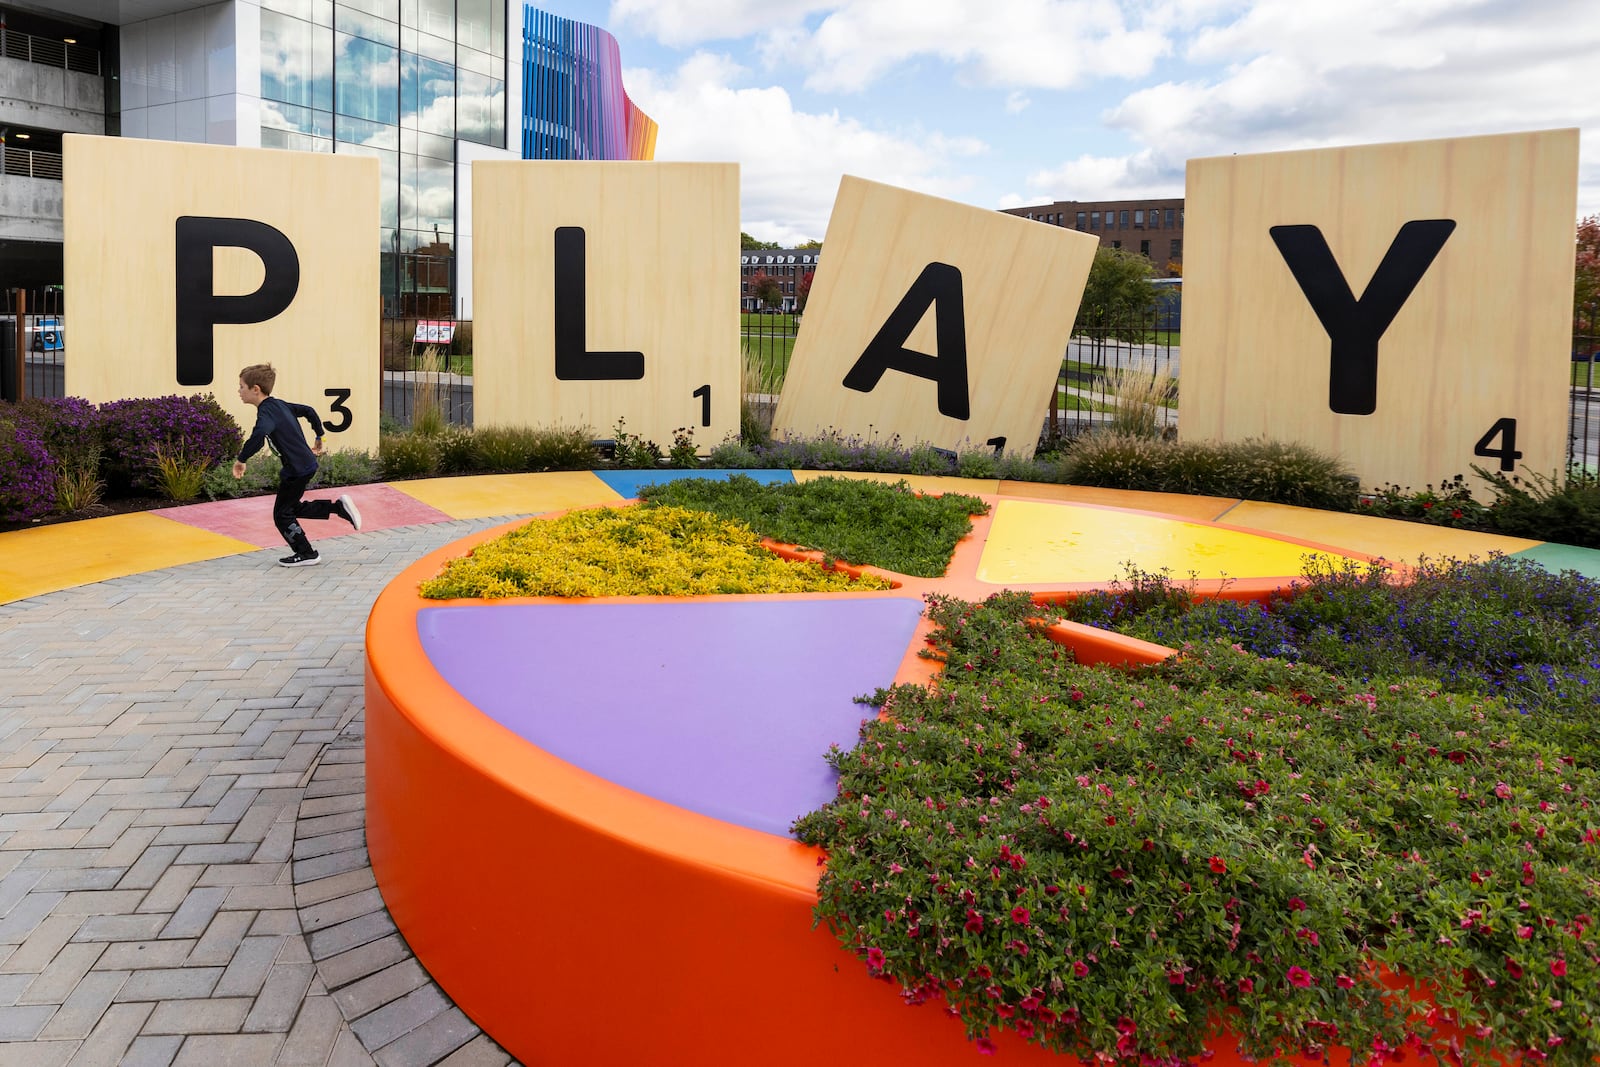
[426, 362]
[1120, 369]
[1583, 429]
[32, 343]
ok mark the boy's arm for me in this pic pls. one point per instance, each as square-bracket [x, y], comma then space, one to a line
[258, 436]
[309, 413]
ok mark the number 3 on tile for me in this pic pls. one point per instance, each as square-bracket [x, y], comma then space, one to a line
[1507, 454]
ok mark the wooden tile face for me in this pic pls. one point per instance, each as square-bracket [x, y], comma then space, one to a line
[604, 291]
[937, 321]
[1406, 306]
[268, 256]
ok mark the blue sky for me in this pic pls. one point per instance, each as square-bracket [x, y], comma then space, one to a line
[1008, 102]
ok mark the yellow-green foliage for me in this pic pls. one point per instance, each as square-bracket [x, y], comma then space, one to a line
[662, 551]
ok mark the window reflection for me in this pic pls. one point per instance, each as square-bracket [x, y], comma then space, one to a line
[369, 79]
[427, 95]
[481, 109]
[296, 62]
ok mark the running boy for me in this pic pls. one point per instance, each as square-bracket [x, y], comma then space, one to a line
[278, 426]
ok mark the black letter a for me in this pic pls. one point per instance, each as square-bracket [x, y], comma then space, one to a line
[199, 308]
[1354, 325]
[939, 284]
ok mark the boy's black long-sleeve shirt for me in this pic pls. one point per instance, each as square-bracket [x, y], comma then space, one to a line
[277, 423]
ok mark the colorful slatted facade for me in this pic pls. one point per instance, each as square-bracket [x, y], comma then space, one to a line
[574, 105]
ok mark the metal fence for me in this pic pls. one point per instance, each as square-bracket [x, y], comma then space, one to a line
[49, 51]
[1102, 356]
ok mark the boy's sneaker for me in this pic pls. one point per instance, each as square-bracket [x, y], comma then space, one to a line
[301, 559]
[348, 509]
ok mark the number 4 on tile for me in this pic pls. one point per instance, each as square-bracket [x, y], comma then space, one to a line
[1507, 454]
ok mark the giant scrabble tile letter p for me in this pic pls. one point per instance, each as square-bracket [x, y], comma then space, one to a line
[187, 262]
[936, 321]
[1404, 306]
[607, 291]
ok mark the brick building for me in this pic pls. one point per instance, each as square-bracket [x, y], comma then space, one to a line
[1153, 228]
[786, 266]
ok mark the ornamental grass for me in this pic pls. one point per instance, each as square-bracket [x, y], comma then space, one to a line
[663, 551]
[1125, 865]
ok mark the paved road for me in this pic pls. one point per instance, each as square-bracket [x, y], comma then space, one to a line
[183, 873]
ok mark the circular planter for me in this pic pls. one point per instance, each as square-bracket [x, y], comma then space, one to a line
[610, 908]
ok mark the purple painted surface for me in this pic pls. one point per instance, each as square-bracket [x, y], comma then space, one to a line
[723, 708]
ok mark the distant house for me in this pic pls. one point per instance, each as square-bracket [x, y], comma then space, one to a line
[1153, 228]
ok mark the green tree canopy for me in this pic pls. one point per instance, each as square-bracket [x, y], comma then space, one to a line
[1118, 286]
[746, 241]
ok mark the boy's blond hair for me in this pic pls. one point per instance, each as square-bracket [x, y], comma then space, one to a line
[261, 375]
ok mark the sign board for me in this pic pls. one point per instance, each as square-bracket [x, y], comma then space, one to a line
[205, 259]
[47, 335]
[608, 291]
[934, 321]
[434, 332]
[1406, 307]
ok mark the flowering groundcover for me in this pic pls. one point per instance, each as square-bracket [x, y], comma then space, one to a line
[1122, 865]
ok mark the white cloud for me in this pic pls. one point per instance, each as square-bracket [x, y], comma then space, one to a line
[790, 161]
[1016, 101]
[1294, 75]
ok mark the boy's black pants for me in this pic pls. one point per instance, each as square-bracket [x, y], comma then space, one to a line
[288, 508]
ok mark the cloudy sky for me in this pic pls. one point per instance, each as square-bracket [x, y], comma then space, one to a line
[1000, 103]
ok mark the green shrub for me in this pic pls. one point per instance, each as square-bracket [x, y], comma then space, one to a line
[683, 454]
[1451, 505]
[562, 448]
[457, 451]
[177, 476]
[408, 455]
[862, 522]
[1119, 865]
[260, 476]
[347, 466]
[733, 455]
[1275, 471]
[1546, 508]
[632, 451]
[503, 448]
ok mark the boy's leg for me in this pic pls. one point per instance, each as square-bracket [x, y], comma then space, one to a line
[323, 508]
[284, 511]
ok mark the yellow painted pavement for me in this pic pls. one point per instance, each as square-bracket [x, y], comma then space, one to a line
[1035, 541]
[67, 554]
[1390, 539]
[922, 483]
[1205, 508]
[484, 496]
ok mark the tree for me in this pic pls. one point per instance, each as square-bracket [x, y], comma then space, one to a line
[802, 289]
[809, 244]
[746, 241]
[766, 289]
[1118, 287]
[1586, 281]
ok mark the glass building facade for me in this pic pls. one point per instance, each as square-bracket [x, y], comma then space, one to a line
[401, 81]
[574, 105]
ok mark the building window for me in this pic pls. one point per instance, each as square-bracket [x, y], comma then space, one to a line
[1169, 218]
[1094, 220]
[1122, 221]
[1155, 218]
[1116, 244]
[1082, 220]
[1144, 249]
[1177, 251]
[1138, 219]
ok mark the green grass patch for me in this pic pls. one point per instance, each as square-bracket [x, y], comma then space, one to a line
[661, 551]
[862, 522]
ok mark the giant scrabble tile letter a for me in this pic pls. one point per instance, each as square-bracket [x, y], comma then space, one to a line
[936, 321]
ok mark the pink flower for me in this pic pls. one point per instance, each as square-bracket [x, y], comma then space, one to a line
[1524, 932]
[974, 920]
[1513, 968]
[1527, 873]
[875, 958]
[1559, 968]
[1299, 977]
[985, 1047]
[1080, 969]
[1021, 916]
[1218, 866]
[1296, 904]
[1246, 985]
[1345, 982]
[1502, 791]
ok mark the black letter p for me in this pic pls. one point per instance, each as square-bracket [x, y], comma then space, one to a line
[199, 309]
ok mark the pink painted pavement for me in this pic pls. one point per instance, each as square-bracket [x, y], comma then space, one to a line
[249, 519]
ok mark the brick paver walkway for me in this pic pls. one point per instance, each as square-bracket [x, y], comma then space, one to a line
[183, 871]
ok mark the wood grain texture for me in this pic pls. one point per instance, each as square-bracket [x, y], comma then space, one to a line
[1020, 284]
[123, 197]
[1483, 336]
[662, 278]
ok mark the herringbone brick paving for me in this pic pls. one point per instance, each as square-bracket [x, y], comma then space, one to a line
[183, 869]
